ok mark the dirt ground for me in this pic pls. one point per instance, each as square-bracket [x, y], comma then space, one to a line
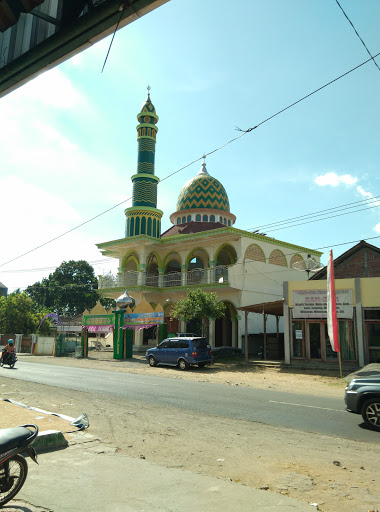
[331, 473]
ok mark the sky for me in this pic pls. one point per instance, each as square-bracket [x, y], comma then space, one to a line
[68, 138]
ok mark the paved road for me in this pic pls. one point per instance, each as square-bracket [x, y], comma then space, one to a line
[302, 412]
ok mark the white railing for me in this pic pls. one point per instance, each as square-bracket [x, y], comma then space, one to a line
[172, 279]
[193, 277]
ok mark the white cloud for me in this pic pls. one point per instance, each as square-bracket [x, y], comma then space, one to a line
[33, 217]
[52, 135]
[52, 89]
[333, 179]
[373, 202]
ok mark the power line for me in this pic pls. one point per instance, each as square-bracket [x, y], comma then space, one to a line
[318, 220]
[305, 97]
[244, 132]
[318, 213]
[357, 33]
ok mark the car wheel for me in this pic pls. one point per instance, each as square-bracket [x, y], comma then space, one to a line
[152, 361]
[201, 365]
[183, 365]
[371, 413]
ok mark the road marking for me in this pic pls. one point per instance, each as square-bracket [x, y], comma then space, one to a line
[311, 406]
[133, 381]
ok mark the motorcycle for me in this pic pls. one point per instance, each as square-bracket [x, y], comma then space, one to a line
[10, 359]
[13, 466]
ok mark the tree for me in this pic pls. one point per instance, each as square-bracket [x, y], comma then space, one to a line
[69, 290]
[201, 306]
[18, 314]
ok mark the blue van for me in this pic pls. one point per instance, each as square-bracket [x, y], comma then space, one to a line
[181, 351]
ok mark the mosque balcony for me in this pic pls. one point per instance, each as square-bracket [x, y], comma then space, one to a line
[191, 278]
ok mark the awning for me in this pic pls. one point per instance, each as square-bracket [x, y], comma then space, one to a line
[269, 308]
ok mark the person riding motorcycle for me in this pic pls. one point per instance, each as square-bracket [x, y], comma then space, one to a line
[7, 350]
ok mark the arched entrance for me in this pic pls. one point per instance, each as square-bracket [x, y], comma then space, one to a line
[226, 327]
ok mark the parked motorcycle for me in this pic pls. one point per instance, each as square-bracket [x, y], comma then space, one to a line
[9, 359]
[13, 466]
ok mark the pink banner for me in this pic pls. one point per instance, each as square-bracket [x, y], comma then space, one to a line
[97, 328]
[138, 327]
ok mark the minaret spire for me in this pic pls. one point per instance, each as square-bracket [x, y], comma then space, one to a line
[144, 218]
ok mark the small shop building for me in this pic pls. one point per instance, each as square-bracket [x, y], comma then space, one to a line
[357, 287]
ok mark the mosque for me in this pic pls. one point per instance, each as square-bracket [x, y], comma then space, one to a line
[201, 250]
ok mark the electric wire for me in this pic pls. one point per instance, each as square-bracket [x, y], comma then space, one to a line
[319, 213]
[121, 8]
[357, 33]
[244, 132]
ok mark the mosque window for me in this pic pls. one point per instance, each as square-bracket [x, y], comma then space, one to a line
[183, 220]
[221, 220]
[189, 218]
[254, 252]
[212, 218]
[198, 218]
[179, 220]
[277, 258]
[205, 218]
[229, 223]
[225, 220]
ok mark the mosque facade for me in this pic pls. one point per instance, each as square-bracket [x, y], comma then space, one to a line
[201, 250]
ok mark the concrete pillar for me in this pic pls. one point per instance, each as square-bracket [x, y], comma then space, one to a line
[287, 325]
[18, 342]
[233, 332]
[141, 275]
[161, 272]
[211, 333]
[139, 338]
[183, 275]
[360, 324]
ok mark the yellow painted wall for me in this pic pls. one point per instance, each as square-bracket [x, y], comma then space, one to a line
[340, 284]
[370, 287]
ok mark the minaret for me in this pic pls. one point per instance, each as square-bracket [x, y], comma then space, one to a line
[143, 218]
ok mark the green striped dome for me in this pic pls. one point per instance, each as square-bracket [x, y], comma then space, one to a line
[203, 191]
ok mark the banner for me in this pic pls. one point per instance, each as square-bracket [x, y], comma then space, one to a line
[144, 318]
[104, 320]
[332, 321]
[313, 304]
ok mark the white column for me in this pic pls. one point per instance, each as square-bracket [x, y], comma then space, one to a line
[211, 333]
[18, 342]
[287, 325]
[359, 323]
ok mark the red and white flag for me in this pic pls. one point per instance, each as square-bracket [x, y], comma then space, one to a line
[332, 321]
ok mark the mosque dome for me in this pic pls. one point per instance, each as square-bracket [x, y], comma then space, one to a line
[203, 191]
[203, 199]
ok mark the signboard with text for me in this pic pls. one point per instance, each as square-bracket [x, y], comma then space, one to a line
[144, 318]
[313, 303]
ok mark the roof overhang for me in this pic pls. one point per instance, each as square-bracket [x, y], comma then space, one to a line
[269, 308]
[74, 36]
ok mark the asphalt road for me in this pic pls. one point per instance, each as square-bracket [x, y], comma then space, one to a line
[307, 413]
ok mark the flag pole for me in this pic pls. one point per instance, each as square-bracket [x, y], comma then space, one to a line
[340, 365]
[332, 318]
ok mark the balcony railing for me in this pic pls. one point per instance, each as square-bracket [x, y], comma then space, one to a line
[190, 278]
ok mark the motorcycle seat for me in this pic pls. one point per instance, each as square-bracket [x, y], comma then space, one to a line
[13, 437]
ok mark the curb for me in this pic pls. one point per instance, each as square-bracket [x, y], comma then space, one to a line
[50, 440]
